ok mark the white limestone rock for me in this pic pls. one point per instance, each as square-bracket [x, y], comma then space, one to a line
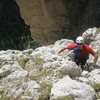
[84, 73]
[70, 68]
[66, 86]
[17, 74]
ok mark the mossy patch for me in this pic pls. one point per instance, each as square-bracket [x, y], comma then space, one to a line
[66, 98]
[96, 86]
[43, 73]
[45, 89]
[38, 60]
[44, 96]
[22, 61]
[4, 98]
[6, 73]
[60, 75]
[46, 72]
[33, 77]
[98, 96]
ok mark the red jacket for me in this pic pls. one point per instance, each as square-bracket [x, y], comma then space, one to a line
[85, 49]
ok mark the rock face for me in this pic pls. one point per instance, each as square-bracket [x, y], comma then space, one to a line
[51, 20]
[14, 33]
[48, 20]
[66, 86]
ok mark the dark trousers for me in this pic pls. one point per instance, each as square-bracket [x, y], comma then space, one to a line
[81, 61]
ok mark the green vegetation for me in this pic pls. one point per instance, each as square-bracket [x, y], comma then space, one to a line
[98, 96]
[3, 63]
[45, 89]
[4, 98]
[65, 98]
[96, 86]
[38, 60]
[22, 61]
[46, 72]
[33, 77]
[44, 96]
[0, 64]
[60, 75]
[43, 73]
[6, 73]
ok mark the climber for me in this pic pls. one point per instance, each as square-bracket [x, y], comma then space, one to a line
[81, 52]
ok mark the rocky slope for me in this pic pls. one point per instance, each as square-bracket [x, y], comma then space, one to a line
[43, 74]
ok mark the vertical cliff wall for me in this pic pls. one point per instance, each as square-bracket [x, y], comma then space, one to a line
[51, 20]
[45, 21]
[45, 17]
[14, 33]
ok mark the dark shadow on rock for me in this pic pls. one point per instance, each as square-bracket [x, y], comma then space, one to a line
[89, 67]
[14, 33]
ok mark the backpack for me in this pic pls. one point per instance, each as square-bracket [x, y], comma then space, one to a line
[76, 51]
